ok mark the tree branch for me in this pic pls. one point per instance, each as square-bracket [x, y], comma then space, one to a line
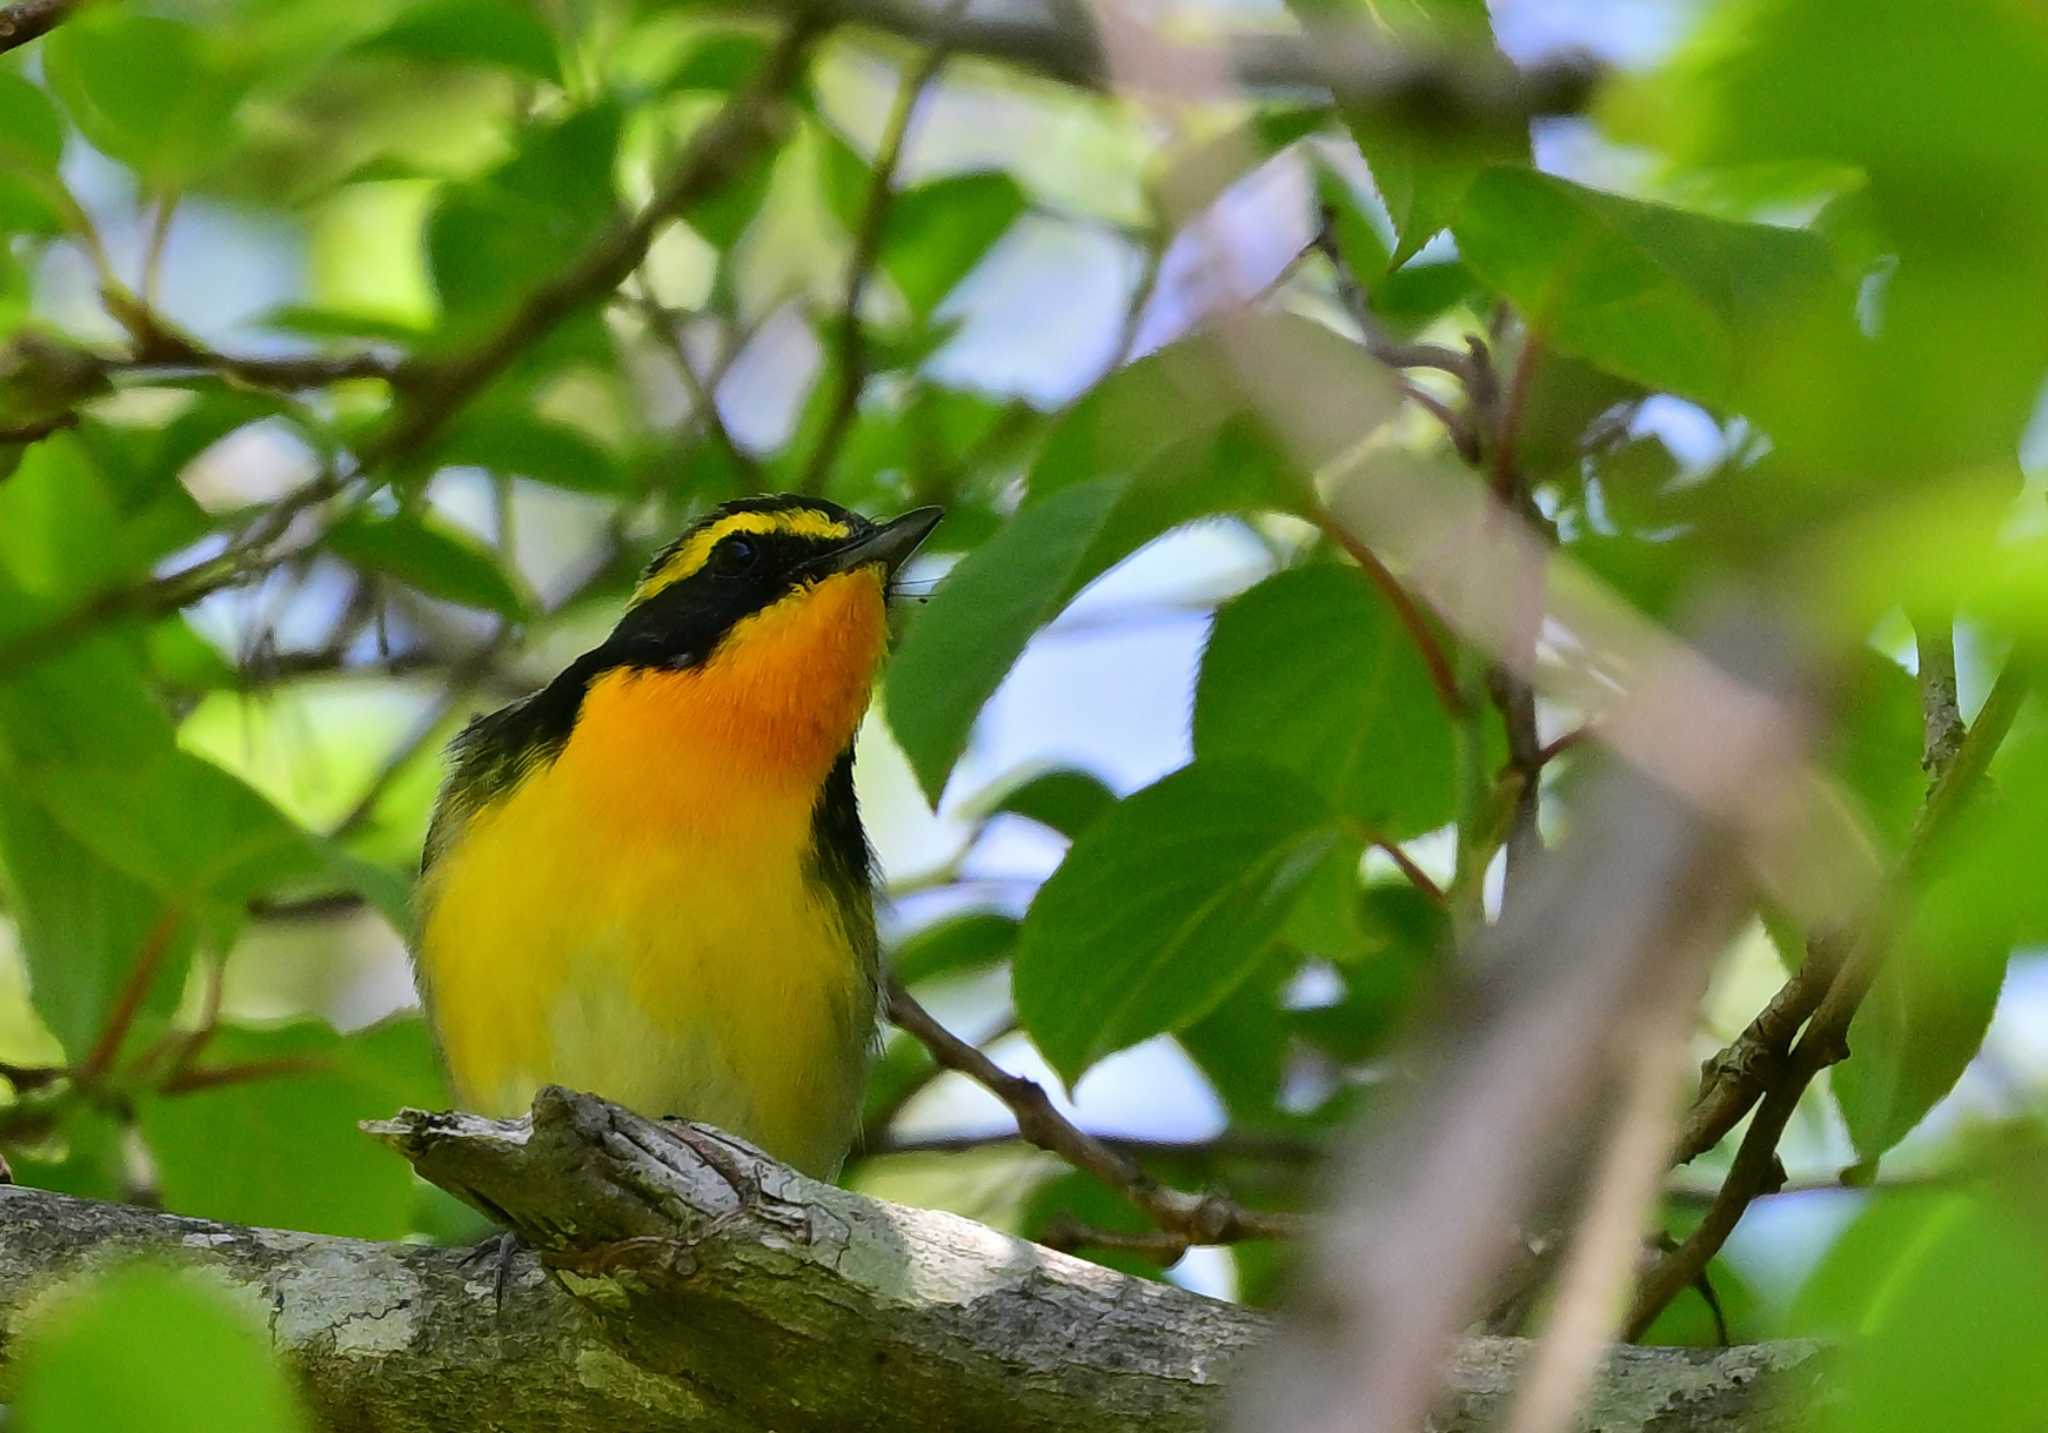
[1443, 90]
[1196, 1218]
[714, 156]
[26, 19]
[1826, 1040]
[860, 266]
[699, 1286]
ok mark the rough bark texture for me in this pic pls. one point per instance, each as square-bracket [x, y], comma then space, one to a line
[698, 1285]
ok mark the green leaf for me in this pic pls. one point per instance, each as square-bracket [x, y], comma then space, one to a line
[422, 552]
[1936, 1302]
[484, 32]
[512, 441]
[489, 242]
[151, 1347]
[1163, 907]
[971, 940]
[31, 134]
[1065, 800]
[937, 232]
[1311, 669]
[1161, 442]
[1924, 1018]
[283, 1150]
[31, 144]
[721, 62]
[1241, 1046]
[964, 641]
[83, 925]
[149, 92]
[1671, 299]
[187, 829]
[1403, 938]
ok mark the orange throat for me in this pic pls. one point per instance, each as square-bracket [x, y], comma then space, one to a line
[774, 706]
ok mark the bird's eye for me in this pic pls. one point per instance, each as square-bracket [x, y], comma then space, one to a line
[733, 557]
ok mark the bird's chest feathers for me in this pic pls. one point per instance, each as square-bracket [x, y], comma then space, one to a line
[645, 908]
[772, 707]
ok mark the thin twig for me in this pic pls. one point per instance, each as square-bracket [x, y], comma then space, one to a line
[703, 394]
[715, 156]
[434, 395]
[1934, 642]
[249, 1072]
[1406, 609]
[129, 1002]
[1825, 1041]
[1734, 1078]
[1199, 1218]
[153, 247]
[860, 266]
[1405, 863]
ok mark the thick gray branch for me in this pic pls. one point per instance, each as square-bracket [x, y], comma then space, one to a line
[702, 1286]
[1353, 63]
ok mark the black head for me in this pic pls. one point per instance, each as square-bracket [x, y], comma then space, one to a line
[743, 557]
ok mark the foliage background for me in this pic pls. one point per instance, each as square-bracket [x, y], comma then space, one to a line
[1765, 319]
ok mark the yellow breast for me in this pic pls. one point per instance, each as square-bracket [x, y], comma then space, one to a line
[638, 917]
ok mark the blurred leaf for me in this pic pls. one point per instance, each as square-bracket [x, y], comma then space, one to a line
[721, 61]
[1167, 401]
[82, 924]
[1144, 452]
[490, 241]
[151, 1347]
[1936, 1301]
[1066, 800]
[1404, 939]
[972, 940]
[1668, 298]
[1634, 475]
[1328, 920]
[1311, 669]
[84, 1156]
[283, 1150]
[323, 321]
[31, 144]
[485, 32]
[1200, 173]
[1416, 295]
[893, 1076]
[422, 552]
[1163, 907]
[149, 92]
[964, 641]
[31, 134]
[511, 441]
[1875, 741]
[43, 377]
[1561, 400]
[1923, 1020]
[1423, 171]
[187, 829]
[1354, 230]
[938, 231]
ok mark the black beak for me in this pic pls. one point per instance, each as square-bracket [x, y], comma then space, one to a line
[889, 543]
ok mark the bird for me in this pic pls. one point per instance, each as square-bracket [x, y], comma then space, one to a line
[649, 880]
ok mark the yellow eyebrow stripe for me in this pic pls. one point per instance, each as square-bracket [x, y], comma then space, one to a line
[690, 558]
